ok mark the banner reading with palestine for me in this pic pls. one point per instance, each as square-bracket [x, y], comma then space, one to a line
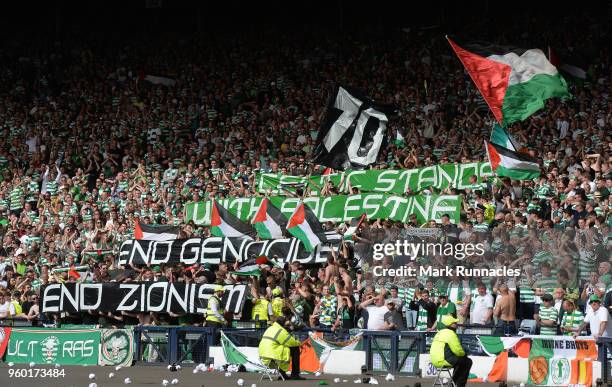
[215, 250]
[340, 208]
[151, 296]
[392, 181]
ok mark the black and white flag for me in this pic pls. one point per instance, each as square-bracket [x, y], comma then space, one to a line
[352, 131]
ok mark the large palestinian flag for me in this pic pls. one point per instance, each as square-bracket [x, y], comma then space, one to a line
[515, 165]
[269, 222]
[155, 233]
[224, 224]
[514, 82]
[304, 225]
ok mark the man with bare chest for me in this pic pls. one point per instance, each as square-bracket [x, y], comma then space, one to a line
[505, 312]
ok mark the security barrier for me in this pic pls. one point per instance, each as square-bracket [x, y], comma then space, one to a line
[395, 352]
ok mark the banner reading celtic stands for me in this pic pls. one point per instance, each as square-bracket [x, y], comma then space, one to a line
[340, 208]
[392, 181]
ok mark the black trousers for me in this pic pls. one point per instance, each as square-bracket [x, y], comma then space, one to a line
[462, 370]
[294, 352]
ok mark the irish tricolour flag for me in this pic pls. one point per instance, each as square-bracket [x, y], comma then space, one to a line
[514, 82]
[561, 361]
[269, 222]
[515, 165]
[304, 225]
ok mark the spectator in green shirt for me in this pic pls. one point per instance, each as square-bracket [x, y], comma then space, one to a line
[572, 318]
[444, 308]
[19, 264]
[547, 316]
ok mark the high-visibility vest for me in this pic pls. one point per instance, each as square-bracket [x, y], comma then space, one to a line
[444, 337]
[17, 306]
[210, 315]
[260, 310]
[277, 306]
[275, 344]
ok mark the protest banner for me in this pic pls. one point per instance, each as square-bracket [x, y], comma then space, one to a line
[340, 208]
[390, 181]
[215, 250]
[160, 296]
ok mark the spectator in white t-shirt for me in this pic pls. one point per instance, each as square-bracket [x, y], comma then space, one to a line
[481, 306]
[598, 319]
[376, 312]
[5, 305]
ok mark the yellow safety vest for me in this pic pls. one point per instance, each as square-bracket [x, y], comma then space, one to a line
[438, 346]
[277, 306]
[260, 310]
[17, 306]
[275, 344]
[210, 315]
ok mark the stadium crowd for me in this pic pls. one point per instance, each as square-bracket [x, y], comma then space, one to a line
[88, 145]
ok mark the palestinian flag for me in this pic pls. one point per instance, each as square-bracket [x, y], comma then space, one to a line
[304, 225]
[79, 273]
[225, 224]
[355, 223]
[514, 82]
[155, 233]
[515, 165]
[500, 136]
[269, 222]
[251, 267]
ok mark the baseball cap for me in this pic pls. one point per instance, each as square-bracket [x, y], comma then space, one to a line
[276, 292]
[219, 288]
[449, 320]
[594, 298]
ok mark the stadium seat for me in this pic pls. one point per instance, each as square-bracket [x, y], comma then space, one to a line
[528, 327]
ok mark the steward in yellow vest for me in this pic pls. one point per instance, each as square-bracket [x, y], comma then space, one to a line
[278, 345]
[278, 302]
[261, 312]
[214, 310]
[446, 351]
